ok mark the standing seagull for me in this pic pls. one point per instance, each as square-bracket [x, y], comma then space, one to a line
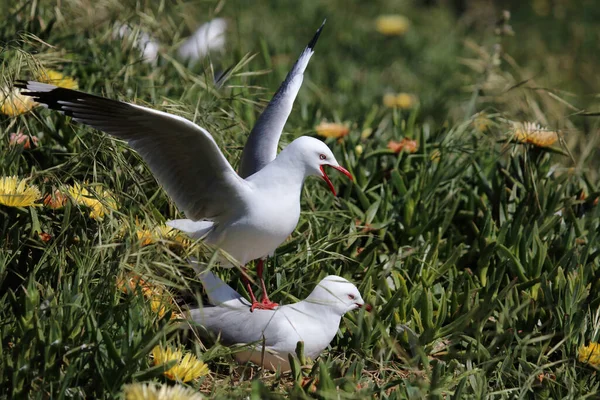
[248, 218]
[261, 146]
[314, 320]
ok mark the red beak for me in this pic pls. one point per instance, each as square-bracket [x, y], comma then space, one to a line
[367, 307]
[326, 178]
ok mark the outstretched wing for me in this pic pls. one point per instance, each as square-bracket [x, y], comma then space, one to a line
[261, 147]
[183, 157]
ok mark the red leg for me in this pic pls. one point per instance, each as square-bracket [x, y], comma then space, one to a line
[249, 287]
[266, 304]
[259, 272]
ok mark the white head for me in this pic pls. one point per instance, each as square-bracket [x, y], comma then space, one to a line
[312, 154]
[337, 294]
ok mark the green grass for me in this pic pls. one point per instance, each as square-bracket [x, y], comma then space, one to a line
[479, 289]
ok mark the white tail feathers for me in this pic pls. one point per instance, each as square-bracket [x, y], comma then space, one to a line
[194, 229]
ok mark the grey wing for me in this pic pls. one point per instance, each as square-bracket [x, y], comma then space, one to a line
[261, 147]
[237, 324]
[183, 157]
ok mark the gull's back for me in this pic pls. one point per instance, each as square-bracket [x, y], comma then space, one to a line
[279, 330]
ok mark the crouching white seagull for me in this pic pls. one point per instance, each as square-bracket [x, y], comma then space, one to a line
[248, 216]
[315, 320]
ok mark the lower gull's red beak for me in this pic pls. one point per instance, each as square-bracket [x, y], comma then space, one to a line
[326, 178]
[367, 306]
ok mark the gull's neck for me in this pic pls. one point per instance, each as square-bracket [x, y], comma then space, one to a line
[320, 311]
[286, 171]
[320, 324]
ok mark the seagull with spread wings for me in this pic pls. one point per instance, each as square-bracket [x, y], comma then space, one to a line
[248, 215]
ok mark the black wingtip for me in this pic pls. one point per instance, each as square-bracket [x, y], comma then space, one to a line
[219, 78]
[313, 41]
[20, 84]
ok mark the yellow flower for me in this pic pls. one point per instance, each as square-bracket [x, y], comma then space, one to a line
[13, 103]
[389, 100]
[144, 236]
[16, 193]
[358, 149]
[131, 281]
[528, 132]
[186, 368]
[98, 207]
[159, 302]
[590, 354]
[392, 25]
[332, 129]
[541, 7]
[147, 236]
[157, 305]
[57, 79]
[149, 391]
[482, 122]
[404, 101]
[407, 145]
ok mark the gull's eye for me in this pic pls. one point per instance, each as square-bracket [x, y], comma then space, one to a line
[323, 157]
[351, 297]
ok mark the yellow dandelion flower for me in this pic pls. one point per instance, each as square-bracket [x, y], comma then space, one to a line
[160, 300]
[389, 100]
[147, 236]
[403, 101]
[15, 192]
[482, 123]
[131, 281]
[157, 305]
[590, 354]
[332, 130]
[528, 132]
[149, 391]
[366, 133]
[13, 103]
[358, 149]
[186, 368]
[541, 7]
[392, 25]
[57, 79]
[407, 145]
[164, 232]
[98, 206]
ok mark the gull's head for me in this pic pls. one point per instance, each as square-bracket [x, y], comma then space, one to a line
[315, 156]
[337, 294]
